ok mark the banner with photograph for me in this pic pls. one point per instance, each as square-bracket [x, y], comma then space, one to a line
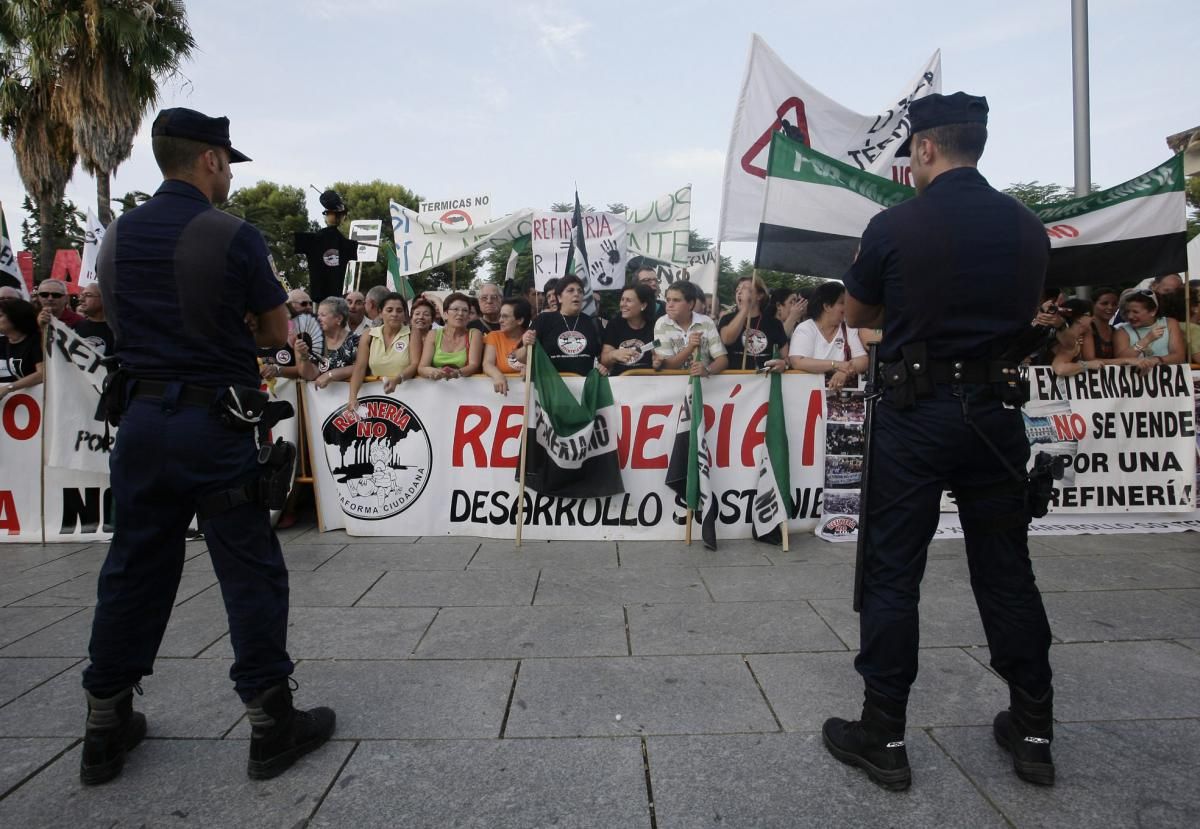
[441, 459]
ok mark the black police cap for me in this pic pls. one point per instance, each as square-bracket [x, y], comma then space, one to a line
[331, 200]
[941, 110]
[181, 122]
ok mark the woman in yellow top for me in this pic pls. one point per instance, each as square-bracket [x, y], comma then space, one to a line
[387, 350]
[453, 351]
[499, 347]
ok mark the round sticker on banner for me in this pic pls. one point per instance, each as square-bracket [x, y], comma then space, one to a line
[283, 357]
[637, 346]
[332, 258]
[572, 343]
[755, 342]
[380, 457]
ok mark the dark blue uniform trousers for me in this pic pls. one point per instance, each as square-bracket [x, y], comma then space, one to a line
[165, 458]
[916, 453]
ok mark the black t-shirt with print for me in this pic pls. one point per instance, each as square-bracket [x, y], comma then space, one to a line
[98, 334]
[572, 343]
[619, 334]
[19, 360]
[764, 334]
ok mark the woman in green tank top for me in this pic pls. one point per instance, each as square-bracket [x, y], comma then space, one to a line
[453, 351]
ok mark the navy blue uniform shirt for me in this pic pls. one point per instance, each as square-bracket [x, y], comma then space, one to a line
[960, 267]
[186, 321]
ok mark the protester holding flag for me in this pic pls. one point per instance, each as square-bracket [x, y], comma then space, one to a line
[570, 338]
[386, 351]
[626, 337]
[751, 333]
[20, 346]
[822, 344]
[455, 350]
[1145, 335]
[499, 347]
[685, 339]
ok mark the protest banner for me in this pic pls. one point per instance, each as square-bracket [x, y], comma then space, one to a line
[774, 98]
[441, 458]
[605, 239]
[367, 232]
[20, 478]
[421, 245]
[662, 229]
[93, 235]
[74, 378]
[703, 267]
[465, 211]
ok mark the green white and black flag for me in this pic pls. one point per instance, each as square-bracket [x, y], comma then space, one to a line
[10, 273]
[688, 469]
[1134, 230]
[571, 448]
[816, 209]
[772, 500]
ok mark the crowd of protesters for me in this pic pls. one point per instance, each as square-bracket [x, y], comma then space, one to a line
[381, 334]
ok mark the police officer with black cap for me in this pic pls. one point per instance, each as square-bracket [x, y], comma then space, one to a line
[953, 276]
[189, 291]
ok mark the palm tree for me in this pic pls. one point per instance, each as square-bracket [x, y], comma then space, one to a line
[114, 54]
[42, 142]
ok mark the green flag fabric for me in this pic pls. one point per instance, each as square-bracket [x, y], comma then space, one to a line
[571, 450]
[688, 468]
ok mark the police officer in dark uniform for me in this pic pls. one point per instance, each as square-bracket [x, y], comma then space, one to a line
[189, 290]
[953, 276]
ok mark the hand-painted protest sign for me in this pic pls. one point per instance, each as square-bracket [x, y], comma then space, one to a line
[703, 268]
[421, 244]
[462, 212]
[604, 234]
[440, 458]
[367, 232]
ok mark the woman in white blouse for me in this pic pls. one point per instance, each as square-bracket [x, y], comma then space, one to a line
[822, 344]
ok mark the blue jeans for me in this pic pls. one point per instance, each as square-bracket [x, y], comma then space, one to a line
[167, 456]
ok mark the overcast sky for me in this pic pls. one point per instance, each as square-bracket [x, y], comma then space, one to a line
[524, 100]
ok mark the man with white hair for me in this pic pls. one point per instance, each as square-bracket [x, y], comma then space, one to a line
[489, 309]
[357, 303]
[53, 296]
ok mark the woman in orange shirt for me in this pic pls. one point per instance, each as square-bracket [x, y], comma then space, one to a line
[498, 346]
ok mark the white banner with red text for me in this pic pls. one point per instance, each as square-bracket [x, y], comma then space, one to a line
[441, 459]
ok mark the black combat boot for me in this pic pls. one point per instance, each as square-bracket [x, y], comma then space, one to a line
[1025, 731]
[112, 729]
[280, 734]
[875, 743]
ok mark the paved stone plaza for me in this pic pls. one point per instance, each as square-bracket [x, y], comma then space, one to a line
[610, 685]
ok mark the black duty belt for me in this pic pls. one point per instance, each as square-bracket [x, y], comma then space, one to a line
[188, 395]
[963, 371]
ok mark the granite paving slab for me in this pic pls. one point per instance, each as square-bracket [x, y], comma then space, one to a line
[315, 536]
[1187, 559]
[731, 627]
[651, 695]
[1124, 544]
[340, 588]
[492, 784]
[949, 618]
[1190, 595]
[183, 698]
[449, 554]
[309, 556]
[524, 632]
[18, 622]
[624, 585]
[81, 591]
[783, 582]
[1115, 615]
[21, 586]
[1123, 680]
[498, 555]
[1120, 571]
[815, 551]
[176, 783]
[20, 675]
[194, 625]
[347, 633]
[452, 588]
[22, 757]
[676, 554]
[1112, 774]
[406, 700]
[806, 689]
[1194, 644]
[789, 781]
[24, 556]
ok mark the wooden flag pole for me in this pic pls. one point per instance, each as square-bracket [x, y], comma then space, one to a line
[524, 440]
[687, 532]
[783, 530]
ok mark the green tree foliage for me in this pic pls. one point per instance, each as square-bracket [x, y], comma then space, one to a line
[66, 231]
[132, 199]
[279, 212]
[1193, 201]
[1034, 192]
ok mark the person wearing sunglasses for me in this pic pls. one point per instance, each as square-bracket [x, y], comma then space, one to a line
[53, 297]
[1146, 335]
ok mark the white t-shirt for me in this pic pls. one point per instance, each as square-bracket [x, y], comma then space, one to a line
[807, 341]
